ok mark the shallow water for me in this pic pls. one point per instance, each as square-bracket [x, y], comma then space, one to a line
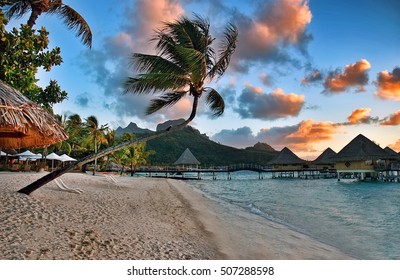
[362, 219]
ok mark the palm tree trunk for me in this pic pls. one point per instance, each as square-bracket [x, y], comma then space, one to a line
[95, 160]
[53, 175]
[33, 17]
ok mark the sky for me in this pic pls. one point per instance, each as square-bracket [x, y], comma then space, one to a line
[306, 75]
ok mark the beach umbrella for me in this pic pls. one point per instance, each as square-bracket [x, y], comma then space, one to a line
[65, 157]
[26, 154]
[52, 157]
[23, 123]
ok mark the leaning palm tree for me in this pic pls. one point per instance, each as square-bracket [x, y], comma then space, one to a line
[184, 62]
[73, 20]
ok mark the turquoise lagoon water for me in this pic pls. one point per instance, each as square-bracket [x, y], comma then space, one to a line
[362, 219]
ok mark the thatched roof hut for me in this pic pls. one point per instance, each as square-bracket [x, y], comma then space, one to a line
[360, 149]
[187, 158]
[326, 157]
[23, 123]
[394, 154]
[286, 156]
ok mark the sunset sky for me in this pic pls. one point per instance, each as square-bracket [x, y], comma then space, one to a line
[306, 74]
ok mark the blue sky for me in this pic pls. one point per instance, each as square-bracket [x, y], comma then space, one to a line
[306, 74]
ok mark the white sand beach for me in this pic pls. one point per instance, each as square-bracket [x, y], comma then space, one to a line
[139, 218]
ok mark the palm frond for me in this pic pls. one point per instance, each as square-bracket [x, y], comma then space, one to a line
[153, 82]
[165, 100]
[195, 63]
[227, 49]
[76, 22]
[155, 64]
[92, 122]
[16, 9]
[216, 102]
[166, 47]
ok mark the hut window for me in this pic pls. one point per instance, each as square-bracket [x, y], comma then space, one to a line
[347, 163]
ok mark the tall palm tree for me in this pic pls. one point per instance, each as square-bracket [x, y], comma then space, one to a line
[185, 60]
[73, 20]
[96, 135]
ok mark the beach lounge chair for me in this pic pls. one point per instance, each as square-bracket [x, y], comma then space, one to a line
[111, 179]
[62, 186]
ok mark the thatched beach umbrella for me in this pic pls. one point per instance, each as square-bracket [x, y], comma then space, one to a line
[23, 123]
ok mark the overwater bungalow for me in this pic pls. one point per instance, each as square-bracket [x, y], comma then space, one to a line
[325, 161]
[324, 165]
[286, 163]
[187, 160]
[362, 159]
[393, 170]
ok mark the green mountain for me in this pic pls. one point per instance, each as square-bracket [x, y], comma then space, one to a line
[168, 149]
[132, 128]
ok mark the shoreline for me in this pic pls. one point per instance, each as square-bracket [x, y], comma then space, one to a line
[240, 234]
[138, 218]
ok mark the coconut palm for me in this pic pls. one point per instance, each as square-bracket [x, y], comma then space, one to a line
[96, 135]
[138, 155]
[184, 62]
[119, 158]
[73, 20]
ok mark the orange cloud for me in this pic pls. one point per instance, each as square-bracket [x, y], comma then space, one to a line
[310, 132]
[360, 115]
[146, 17]
[388, 84]
[276, 22]
[299, 138]
[395, 146]
[152, 14]
[393, 119]
[288, 19]
[354, 75]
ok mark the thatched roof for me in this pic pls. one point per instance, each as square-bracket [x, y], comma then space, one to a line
[23, 123]
[392, 153]
[325, 157]
[286, 156]
[361, 148]
[187, 158]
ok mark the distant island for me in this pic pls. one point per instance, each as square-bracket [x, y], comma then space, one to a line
[170, 147]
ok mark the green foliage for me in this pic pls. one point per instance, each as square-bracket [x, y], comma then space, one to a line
[171, 146]
[35, 8]
[95, 133]
[186, 59]
[23, 52]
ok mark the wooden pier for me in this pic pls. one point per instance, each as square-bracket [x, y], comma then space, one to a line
[197, 173]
